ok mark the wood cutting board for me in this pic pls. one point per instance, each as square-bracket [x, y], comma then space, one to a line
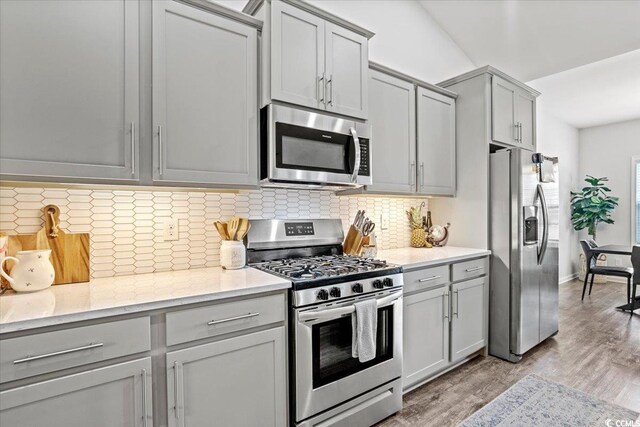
[69, 251]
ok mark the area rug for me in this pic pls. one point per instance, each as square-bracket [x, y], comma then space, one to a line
[534, 401]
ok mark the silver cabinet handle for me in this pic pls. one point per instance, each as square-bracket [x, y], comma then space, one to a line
[422, 174]
[144, 397]
[412, 174]
[330, 82]
[58, 353]
[469, 270]
[520, 127]
[231, 319]
[324, 90]
[428, 279]
[445, 304]
[133, 148]
[356, 146]
[176, 406]
[455, 294]
[318, 85]
[160, 150]
[516, 131]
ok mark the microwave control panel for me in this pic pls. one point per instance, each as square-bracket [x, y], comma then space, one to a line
[364, 157]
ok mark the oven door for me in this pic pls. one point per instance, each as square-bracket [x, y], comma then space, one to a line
[318, 149]
[325, 372]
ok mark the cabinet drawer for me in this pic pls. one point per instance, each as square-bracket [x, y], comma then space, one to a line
[469, 269]
[52, 351]
[210, 321]
[426, 278]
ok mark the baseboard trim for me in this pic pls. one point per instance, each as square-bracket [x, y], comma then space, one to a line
[568, 278]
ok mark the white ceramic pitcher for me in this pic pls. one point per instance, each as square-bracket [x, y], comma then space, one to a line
[32, 271]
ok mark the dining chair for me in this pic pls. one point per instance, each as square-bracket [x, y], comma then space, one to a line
[605, 270]
[635, 261]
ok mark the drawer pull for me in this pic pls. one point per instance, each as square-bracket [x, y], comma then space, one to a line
[231, 319]
[57, 353]
[428, 279]
[469, 270]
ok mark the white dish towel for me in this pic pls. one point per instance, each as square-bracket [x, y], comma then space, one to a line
[364, 325]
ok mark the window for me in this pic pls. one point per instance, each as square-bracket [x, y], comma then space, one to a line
[635, 205]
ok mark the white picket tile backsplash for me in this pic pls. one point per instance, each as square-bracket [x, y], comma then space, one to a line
[126, 226]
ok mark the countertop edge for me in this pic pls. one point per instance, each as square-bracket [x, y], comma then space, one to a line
[430, 263]
[81, 316]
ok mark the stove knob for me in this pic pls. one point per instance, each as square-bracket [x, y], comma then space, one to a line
[322, 294]
[388, 282]
[335, 292]
[357, 288]
[377, 284]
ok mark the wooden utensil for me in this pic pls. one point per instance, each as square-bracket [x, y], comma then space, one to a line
[232, 227]
[222, 230]
[69, 252]
[243, 228]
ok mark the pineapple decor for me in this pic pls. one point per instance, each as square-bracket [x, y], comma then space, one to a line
[418, 235]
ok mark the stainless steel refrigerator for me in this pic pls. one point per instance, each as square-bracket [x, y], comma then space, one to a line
[524, 234]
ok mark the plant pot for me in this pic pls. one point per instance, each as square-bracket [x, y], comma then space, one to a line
[601, 261]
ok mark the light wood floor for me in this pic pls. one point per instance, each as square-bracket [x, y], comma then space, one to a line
[597, 350]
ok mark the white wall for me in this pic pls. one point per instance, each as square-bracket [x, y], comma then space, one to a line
[407, 38]
[559, 139]
[607, 151]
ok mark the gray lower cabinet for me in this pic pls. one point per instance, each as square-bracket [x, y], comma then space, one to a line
[468, 317]
[392, 111]
[69, 89]
[205, 98]
[445, 318]
[114, 396]
[436, 116]
[239, 381]
[426, 332]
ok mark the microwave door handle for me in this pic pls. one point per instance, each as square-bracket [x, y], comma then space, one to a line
[545, 224]
[356, 146]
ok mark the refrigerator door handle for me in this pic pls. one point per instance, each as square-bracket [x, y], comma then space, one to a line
[545, 224]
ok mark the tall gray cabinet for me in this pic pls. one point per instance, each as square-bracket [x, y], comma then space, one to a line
[414, 136]
[69, 89]
[312, 58]
[494, 111]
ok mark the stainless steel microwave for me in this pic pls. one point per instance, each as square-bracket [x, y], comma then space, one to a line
[305, 149]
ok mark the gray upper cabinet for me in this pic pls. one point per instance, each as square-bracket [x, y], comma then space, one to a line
[117, 395]
[239, 381]
[468, 317]
[426, 332]
[436, 143]
[312, 58]
[297, 57]
[69, 89]
[346, 71]
[205, 112]
[513, 114]
[392, 111]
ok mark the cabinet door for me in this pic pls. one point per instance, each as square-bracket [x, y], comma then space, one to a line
[118, 395]
[347, 67]
[205, 99]
[425, 334]
[468, 317]
[297, 56]
[69, 89]
[235, 382]
[503, 99]
[392, 115]
[525, 118]
[436, 143]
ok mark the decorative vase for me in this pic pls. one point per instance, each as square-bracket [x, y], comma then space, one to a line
[232, 254]
[32, 271]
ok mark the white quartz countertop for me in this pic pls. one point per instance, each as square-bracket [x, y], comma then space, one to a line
[412, 258]
[118, 295]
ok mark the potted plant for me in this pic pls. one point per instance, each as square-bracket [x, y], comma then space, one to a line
[592, 205]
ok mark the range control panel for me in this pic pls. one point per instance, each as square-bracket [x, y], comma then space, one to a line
[299, 228]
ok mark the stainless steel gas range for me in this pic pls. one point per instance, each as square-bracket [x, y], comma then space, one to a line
[327, 385]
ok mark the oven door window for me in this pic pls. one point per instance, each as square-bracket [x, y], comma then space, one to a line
[332, 348]
[303, 148]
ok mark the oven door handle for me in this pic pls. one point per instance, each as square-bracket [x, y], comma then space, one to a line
[326, 314]
[358, 159]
